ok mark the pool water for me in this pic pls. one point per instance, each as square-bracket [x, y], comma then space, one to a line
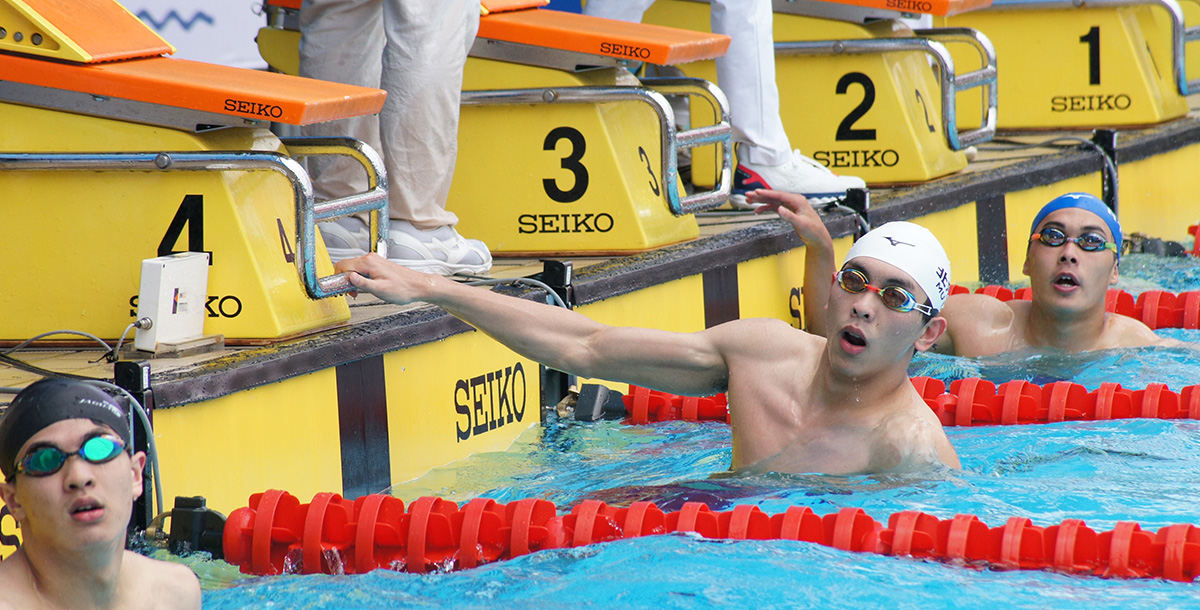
[1102, 472]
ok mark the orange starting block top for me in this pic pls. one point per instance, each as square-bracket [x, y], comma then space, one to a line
[930, 7]
[499, 6]
[598, 36]
[264, 96]
[75, 30]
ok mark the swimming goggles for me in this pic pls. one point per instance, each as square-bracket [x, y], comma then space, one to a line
[1088, 242]
[894, 297]
[48, 459]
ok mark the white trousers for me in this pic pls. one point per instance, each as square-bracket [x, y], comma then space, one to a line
[746, 73]
[414, 50]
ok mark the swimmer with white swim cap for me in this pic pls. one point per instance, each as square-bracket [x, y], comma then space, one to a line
[798, 403]
[70, 481]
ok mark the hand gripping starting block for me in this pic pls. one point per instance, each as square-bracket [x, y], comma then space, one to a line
[1100, 63]
[114, 154]
[863, 94]
[561, 148]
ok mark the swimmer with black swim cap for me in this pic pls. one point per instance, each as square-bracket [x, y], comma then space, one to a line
[70, 481]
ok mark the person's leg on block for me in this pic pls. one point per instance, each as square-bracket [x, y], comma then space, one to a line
[746, 73]
[427, 45]
[342, 41]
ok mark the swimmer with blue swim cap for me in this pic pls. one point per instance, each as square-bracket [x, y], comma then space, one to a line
[70, 479]
[1072, 259]
[1074, 248]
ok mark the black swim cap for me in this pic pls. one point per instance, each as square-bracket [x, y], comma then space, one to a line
[49, 401]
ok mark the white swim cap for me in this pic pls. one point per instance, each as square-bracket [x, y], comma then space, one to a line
[913, 250]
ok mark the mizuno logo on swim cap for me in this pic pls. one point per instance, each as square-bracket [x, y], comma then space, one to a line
[896, 242]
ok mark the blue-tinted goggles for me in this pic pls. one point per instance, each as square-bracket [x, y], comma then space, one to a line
[1088, 242]
[894, 297]
[46, 460]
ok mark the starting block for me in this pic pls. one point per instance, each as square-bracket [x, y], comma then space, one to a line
[1106, 63]
[561, 148]
[115, 155]
[863, 94]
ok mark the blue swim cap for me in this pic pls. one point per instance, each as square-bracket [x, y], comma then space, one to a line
[1083, 201]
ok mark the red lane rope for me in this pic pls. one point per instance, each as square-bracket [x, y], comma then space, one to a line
[1155, 308]
[328, 535]
[970, 402]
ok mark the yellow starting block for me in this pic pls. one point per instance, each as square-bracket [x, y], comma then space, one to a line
[561, 148]
[1104, 63]
[863, 94]
[106, 164]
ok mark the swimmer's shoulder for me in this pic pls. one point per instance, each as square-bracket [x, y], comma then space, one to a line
[978, 324]
[1124, 331]
[163, 582]
[15, 589]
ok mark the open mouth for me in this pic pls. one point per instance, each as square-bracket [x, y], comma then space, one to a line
[853, 338]
[85, 506]
[1066, 280]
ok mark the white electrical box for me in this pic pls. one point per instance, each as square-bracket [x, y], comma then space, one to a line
[173, 293]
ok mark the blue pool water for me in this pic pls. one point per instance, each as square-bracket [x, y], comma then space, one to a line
[1101, 472]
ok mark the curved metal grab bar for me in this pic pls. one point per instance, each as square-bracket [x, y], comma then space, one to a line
[670, 140]
[950, 83]
[374, 201]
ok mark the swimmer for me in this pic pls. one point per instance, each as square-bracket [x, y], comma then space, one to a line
[70, 482]
[798, 402]
[1071, 259]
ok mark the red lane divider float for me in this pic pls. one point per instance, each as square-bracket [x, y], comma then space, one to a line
[1155, 308]
[969, 402]
[276, 535]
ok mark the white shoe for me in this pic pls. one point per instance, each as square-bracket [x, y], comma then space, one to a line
[800, 175]
[441, 250]
[345, 238]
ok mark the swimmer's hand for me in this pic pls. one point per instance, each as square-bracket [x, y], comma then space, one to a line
[793, 208]
[387, 280]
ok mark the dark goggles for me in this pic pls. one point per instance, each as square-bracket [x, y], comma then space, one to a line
[894, 297]
[48, 459]
[1088, 242]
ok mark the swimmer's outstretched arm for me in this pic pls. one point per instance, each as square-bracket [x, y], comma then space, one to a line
[818, 249]
[681, 363]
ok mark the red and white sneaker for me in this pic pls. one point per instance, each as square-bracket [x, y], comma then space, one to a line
[800, 174]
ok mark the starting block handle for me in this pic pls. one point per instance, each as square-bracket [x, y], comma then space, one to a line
[1181, 35]
[308, 213]
[719, 133]
[671, 141]
[230, 161]
[985, 77]
[950, 83]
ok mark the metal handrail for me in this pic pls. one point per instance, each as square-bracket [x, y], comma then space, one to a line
[374, 201]
[671, 141]
[950, 83]
[1180, 33]
[234, 161]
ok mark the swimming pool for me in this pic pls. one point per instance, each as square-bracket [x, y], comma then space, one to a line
[1101, 472]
